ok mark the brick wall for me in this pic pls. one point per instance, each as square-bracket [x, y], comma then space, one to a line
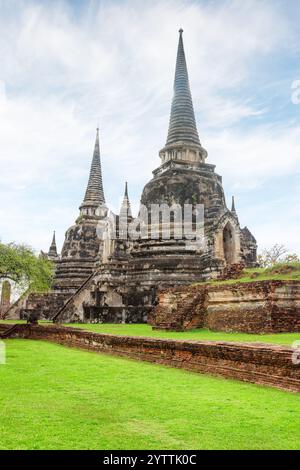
[259, 363]
[254, 307]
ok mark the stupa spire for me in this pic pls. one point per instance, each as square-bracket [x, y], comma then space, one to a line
[94, 194]
[233, 205]
[125, 211]
[183, 144]
[52, 253]
[182, 126]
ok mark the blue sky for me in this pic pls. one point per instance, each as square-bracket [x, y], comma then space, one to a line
[68, 65]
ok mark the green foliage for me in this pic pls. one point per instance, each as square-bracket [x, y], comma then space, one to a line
[20, 264]
[70, 399]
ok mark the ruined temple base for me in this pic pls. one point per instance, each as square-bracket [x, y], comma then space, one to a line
[254, 307]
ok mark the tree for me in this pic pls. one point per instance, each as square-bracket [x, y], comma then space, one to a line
[271, 256]
[20, 264]
[291, 258]
[276, 254]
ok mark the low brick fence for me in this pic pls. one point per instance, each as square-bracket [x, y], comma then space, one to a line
[251, 362]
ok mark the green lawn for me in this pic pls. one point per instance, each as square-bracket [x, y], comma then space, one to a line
[286, 339]
[278, 272]
[52, 397]
[12, 322]
[146, 330]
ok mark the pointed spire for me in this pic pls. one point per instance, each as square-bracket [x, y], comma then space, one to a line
[126, 190]
[182, 126]
[52, 253]
[94, 192]
[233, 205]
[125, 211]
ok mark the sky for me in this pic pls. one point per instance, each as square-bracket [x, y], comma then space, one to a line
[68, 66]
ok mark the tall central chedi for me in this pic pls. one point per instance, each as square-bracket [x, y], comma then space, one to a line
[184, 177]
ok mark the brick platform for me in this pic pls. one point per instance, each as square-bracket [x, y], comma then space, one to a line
[254, 307]
[258, 363]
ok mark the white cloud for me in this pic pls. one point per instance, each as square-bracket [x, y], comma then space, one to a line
[64, 71]
[247, 159]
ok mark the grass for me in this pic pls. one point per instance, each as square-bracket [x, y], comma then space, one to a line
[278, 272]
[285, 339]
[200, 335]
[52, 397]
[12, 322]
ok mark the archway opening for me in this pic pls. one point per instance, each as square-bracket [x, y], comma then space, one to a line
[229, 247]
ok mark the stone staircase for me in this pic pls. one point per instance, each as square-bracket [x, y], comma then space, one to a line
[59, 314]
[8, 332]
[180, 310]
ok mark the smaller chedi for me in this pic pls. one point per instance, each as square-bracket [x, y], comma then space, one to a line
[82, 249]
[105, 278]
[5, 297]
